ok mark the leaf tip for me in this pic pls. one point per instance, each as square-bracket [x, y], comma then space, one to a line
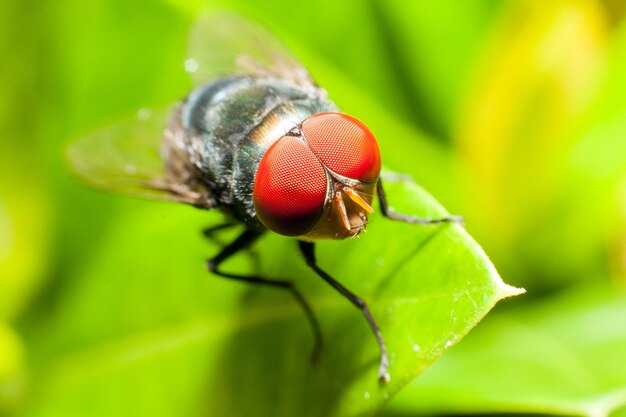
[507, 290]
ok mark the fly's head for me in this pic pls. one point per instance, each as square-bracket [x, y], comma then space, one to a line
[319, 180]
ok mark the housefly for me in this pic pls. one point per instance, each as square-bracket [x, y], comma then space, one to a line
[258, 139]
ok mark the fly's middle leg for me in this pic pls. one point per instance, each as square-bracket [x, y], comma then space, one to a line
[242, 242]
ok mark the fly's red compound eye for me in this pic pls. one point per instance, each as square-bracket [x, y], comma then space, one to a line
[344, 144]
[289, 188]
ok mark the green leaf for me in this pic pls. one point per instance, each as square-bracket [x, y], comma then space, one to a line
[146, 330]
[563, 356]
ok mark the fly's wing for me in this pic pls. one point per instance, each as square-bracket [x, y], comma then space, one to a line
[222, 44]
[144, 155]
[129, 157]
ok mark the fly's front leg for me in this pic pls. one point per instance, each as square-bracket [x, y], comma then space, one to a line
[242, 242]
[308, 250]
[386, 211]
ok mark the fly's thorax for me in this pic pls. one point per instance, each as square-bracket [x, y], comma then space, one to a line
[220, 132]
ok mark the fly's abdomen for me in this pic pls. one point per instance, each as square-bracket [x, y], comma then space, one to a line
[225, 127]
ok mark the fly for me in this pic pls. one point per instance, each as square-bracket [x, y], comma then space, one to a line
[258, 139]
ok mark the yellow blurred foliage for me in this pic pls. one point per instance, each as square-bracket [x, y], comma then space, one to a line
[11, 364]
[24, 241]
[536, 77]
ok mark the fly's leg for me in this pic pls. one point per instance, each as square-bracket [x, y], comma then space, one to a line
[386, 211]
[242, 242]
[210, 231]
[308, 250]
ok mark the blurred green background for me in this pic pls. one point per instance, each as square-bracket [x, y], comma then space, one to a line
[516, 113]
